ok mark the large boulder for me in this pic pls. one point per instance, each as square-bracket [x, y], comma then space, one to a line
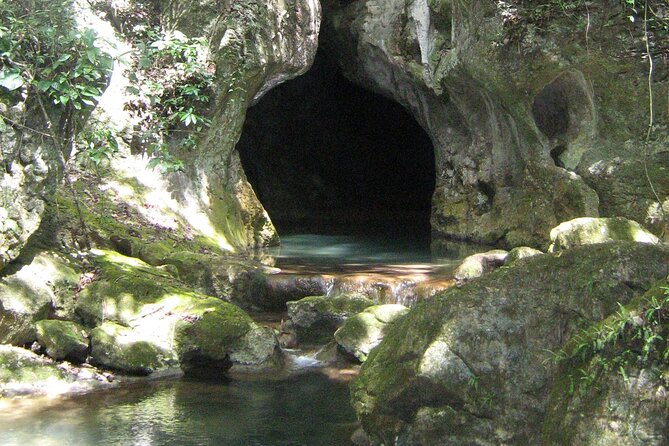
[363, 331]
[149, 305]
[316, 318]
[587, 231]
[473, 365]
[31, 289]
[63, 339]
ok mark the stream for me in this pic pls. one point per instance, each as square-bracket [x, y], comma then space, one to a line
[307, 406]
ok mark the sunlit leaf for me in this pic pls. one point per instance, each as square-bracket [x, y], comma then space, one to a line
[11, 79]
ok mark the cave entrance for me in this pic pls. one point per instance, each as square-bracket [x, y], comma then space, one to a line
[328, 157]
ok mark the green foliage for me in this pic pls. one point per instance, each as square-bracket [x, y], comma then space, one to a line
[638, 337]
[41, 51]
[100, 146]
[173, 81]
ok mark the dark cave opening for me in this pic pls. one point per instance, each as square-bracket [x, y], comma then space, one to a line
[328, 157]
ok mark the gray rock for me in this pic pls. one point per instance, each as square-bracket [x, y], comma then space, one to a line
[479, 264]
[363, 331]
[316, 318]
[121, 348]
[29, 292]
[587, 231]
[521, 252]
[22, 372]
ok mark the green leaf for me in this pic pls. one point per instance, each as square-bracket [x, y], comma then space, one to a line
[11, 79]
[43, 85]
[91, 55]
[153, 163]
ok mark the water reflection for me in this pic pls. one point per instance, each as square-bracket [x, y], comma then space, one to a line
[304, 410]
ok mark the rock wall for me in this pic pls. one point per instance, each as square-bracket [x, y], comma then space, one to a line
[519, 101]
[29, 175]
[255, 46]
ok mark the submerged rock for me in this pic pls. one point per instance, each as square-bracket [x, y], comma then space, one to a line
[587, 231]
[363, 331]
[472, 365]
[479, 264]
[316, 318]
[63, 339]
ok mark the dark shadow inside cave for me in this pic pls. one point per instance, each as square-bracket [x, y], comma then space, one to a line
[328, 157]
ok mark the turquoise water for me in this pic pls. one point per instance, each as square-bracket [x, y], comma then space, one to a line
[308, 409]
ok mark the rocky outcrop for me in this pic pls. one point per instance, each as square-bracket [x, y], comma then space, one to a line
[363, 331]
[588, 231]
[255, 46]
[511, 114]
[30, 175]
[473, 365]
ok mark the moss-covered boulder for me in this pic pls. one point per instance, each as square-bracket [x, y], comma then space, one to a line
[199, 330]
[479, 264]
[22, 372]
[63, 339]
[587, 231]
[363, 331]
[40, 283]
[120, 348]
[473, 364]
[316, 318]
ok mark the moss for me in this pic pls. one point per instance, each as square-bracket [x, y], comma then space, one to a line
[316, 318]
[19, 366]
[214, 332]
[62, 339]
[120, 348]
[363, 331]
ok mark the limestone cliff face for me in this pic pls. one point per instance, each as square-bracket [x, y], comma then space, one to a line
[255, 46]
[31, 168]
[516, 100]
